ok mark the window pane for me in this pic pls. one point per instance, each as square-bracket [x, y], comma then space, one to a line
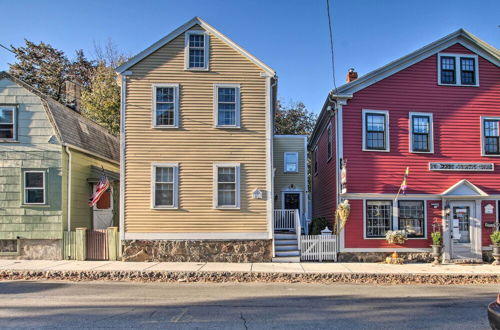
[6, 132]
[165, 174]
[226, 174]
[164, 194]
[6, 116]
[34, 180]
[378, 218]
[196, 58]
[447, 63]
[491, 127]
[165, 114]
[448, 70]
[226, 186]
[376, 122]
[226, 98]
[196, 40]
[375, 140]
[421, 124]
[291, 162]
[165, 94]
[411, 218]
[492, 145]
[34, 195]
[227, 198]
[227, 94]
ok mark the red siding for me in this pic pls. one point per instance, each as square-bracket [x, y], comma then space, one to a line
[486, 232]
[456, 112]
[324, 189]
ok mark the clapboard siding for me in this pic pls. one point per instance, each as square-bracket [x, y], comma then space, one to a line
[196, 144]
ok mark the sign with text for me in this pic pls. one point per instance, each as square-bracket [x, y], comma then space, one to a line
[477, 167]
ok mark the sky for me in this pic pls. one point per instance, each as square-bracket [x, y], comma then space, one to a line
[290, 36]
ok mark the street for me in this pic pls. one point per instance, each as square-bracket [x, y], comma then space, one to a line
[51, 304]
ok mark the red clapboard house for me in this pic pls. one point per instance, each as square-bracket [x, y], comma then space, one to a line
[436, 111]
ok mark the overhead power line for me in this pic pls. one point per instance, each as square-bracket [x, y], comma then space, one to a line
[331, 44]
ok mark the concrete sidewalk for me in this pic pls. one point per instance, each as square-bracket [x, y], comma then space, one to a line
[282, 268]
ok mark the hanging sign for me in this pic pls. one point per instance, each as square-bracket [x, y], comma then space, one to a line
[476, 167]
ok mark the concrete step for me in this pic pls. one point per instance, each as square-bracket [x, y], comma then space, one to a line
[286, 259]
[285, 236]
[293, 253]
[286, 247]
[285, 242]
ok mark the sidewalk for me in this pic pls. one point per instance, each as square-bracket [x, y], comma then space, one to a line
[221, 272]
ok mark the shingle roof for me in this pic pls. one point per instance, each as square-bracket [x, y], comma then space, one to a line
[74, 129]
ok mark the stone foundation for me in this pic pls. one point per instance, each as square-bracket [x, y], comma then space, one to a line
[409, 257]
[37, 249]
[198, 251]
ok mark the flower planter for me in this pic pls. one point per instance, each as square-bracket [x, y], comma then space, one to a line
[496, 254]
[436, 253]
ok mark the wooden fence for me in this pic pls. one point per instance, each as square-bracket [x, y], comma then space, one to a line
[318, 248]
[83, 244]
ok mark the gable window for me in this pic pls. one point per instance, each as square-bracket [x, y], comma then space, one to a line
[227, 105]
[378, 218]
[375, 130]
[165, 105]
[315, 160]
[34, 187]
[458, 69]
[227, 186]
[329, 142]
[7, 122]
[411, 218]
[165, 185]
[291, 162]
[421, 132]
[196, 47]
[491, 136]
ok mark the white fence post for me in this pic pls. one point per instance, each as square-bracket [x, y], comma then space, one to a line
[318, 248]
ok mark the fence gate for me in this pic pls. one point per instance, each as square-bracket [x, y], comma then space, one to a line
[97, 244]
[318, 248]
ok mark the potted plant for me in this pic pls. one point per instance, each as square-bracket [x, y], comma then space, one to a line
[395, 237]
[495, 240]
[437, 246]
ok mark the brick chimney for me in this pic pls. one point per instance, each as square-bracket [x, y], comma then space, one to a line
[351, 75]
[73, 95]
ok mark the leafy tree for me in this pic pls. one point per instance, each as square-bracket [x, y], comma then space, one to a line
[294, 119]
[81, 70]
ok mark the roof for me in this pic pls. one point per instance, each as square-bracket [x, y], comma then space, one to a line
[73, 129]
[195, 21]
[461, 36]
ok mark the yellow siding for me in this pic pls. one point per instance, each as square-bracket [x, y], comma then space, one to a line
[196, 144]
[282, 180]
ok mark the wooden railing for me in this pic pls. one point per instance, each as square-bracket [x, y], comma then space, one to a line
[284, 220]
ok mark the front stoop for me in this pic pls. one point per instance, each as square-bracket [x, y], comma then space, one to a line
[286, 247]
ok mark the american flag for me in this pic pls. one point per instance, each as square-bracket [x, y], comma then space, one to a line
[404, 186]
[100, 189]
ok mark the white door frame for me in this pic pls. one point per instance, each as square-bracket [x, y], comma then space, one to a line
[292, 192]
[111, 204]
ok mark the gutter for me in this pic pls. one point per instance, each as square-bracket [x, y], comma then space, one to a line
[69, 188]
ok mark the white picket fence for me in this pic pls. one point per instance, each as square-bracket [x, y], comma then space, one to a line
[318, 248]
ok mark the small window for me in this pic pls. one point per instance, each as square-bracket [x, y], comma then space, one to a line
[458, 70]
[197, 50]
[376, 130]
[491, 136]
[315, 160]
[7, 122]
[448, 70]
[411, 218]
[34, 187]
[165, 190]
[291, 162]
[378, 218]
[227, 186]
[467, 71]
[329, 142]
[165, 105]
[421, 132]
[227, 103]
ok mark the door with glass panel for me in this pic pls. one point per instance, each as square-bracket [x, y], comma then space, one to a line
[461, 230]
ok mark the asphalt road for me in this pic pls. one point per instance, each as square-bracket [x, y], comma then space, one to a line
[53, 304]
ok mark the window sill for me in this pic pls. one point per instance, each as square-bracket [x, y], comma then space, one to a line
[490, 155]
[421, 152]
[164, 127]
[458, 85]
[197, 69]
[227, 207]
[35, 205]
[9, 141]
[376, 150]
[229, 127]
[165, 208]
[290, 172]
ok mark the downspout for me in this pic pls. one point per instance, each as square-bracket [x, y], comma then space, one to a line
[69, 189]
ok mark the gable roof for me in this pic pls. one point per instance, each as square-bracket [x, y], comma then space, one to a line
[464, 188]
[73, 129]
[180, 30]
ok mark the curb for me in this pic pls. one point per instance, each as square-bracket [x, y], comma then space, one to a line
[246, 277]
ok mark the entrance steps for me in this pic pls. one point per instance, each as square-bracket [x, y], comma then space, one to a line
[286, 247]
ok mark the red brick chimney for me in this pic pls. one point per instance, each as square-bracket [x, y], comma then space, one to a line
[351, 75]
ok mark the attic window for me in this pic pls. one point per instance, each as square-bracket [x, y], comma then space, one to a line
[196, 48]
[7, 122]
[458, 70]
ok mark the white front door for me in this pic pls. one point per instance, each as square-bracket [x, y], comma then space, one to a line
[103, 210]
[462, 230]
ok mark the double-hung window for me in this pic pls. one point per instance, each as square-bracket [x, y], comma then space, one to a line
[227, 186]
[491, 136]
[378, 218]
[227, 105]
[291, 162]
[375, 130]
[7, 122]
[421, 135]
[196, 48]
[34, 187]
[329, 149]
[165, 186]
[165, 105]
[411, 218]
[458, 69]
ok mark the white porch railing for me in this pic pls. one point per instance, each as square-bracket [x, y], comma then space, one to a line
[284, 219]
[318, 248]
[298, 228]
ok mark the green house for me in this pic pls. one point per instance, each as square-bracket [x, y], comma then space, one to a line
[51, 159]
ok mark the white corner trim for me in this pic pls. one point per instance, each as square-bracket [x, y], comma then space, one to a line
[198, 236]
[431, 131]
[387, 129]
[238, 105]
[154, 88]
[237, 167]
[206, 50]
[458, 69]
[175, 167]
[123, 102]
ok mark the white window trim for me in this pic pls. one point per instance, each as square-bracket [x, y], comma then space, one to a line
[458, 68]
[315, 164]
[329, 136]
[431, 131]
[206, 50]
[216, 184]
[176, 105]
[175, 205]
[483, 139]
[284, 161]
[387, 133]
[14, 121]
[25, 197]
[216, 105]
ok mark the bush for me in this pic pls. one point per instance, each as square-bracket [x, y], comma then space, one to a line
[436, 237]
[495, 238]
[317, 225]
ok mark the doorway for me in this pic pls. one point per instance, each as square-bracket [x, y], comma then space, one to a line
[103, 210]
[463, 216]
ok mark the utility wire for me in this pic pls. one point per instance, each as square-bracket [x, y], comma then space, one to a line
[331, 44]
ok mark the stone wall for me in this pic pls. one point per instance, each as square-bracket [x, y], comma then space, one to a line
[380, 256]
[38, 249]
[198, 251]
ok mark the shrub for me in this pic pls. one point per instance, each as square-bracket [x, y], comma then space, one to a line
[395, 236]
[436, 237]
[317, 225]
[495, 237]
